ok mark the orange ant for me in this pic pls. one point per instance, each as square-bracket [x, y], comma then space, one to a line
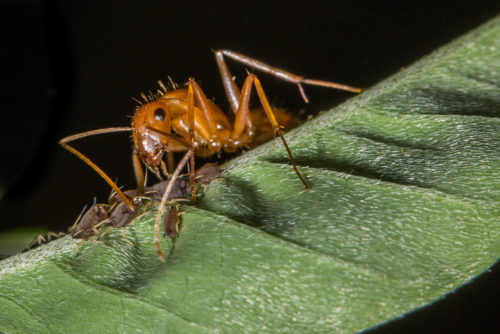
[185, 120]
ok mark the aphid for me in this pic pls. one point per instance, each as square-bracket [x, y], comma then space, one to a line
[87, 224]
[171, 222]
[43, 239]
[185, 120]
[207, 173]
[117, 214]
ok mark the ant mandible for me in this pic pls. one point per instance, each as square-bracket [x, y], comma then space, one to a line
[184, 119]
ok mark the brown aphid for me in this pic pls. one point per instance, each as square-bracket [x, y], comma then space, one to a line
[86, 226]
[156, 191]
[171, 222]
[122, 215]
[185, 120]
[206, 174]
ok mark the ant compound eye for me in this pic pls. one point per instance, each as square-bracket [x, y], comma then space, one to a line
[159, 114]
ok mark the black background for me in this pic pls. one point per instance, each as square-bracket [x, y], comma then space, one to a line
[73, 66]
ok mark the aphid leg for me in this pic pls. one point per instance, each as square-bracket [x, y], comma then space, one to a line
[232, 89]
[97, 227]
[190, 97]
[53, 235]
[40, 239]
[78, 219]
[164, 199]
[124, 235]
[93, 239]
[64, 143]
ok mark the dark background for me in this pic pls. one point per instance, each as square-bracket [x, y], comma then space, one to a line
[73, 66]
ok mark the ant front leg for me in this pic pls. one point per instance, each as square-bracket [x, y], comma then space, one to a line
[164, 199]
[243, 116]
[64, 143]
[139, 173]
[232, 90]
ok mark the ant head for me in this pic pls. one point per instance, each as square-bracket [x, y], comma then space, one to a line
[149, 122]
[155, 115]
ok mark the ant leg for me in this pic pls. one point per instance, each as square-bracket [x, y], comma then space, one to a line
[190, 97]
[156, 172]
[170, 162]
[243, 117]
[204, 104]
[92, 165]
[164, 199]
[270, 115]
[139, 173]
[274, 123]
[164, 168]
[232, 90]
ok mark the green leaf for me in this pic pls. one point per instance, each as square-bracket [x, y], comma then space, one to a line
[403, 208]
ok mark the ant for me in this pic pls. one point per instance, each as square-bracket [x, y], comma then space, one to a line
[185, 120]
